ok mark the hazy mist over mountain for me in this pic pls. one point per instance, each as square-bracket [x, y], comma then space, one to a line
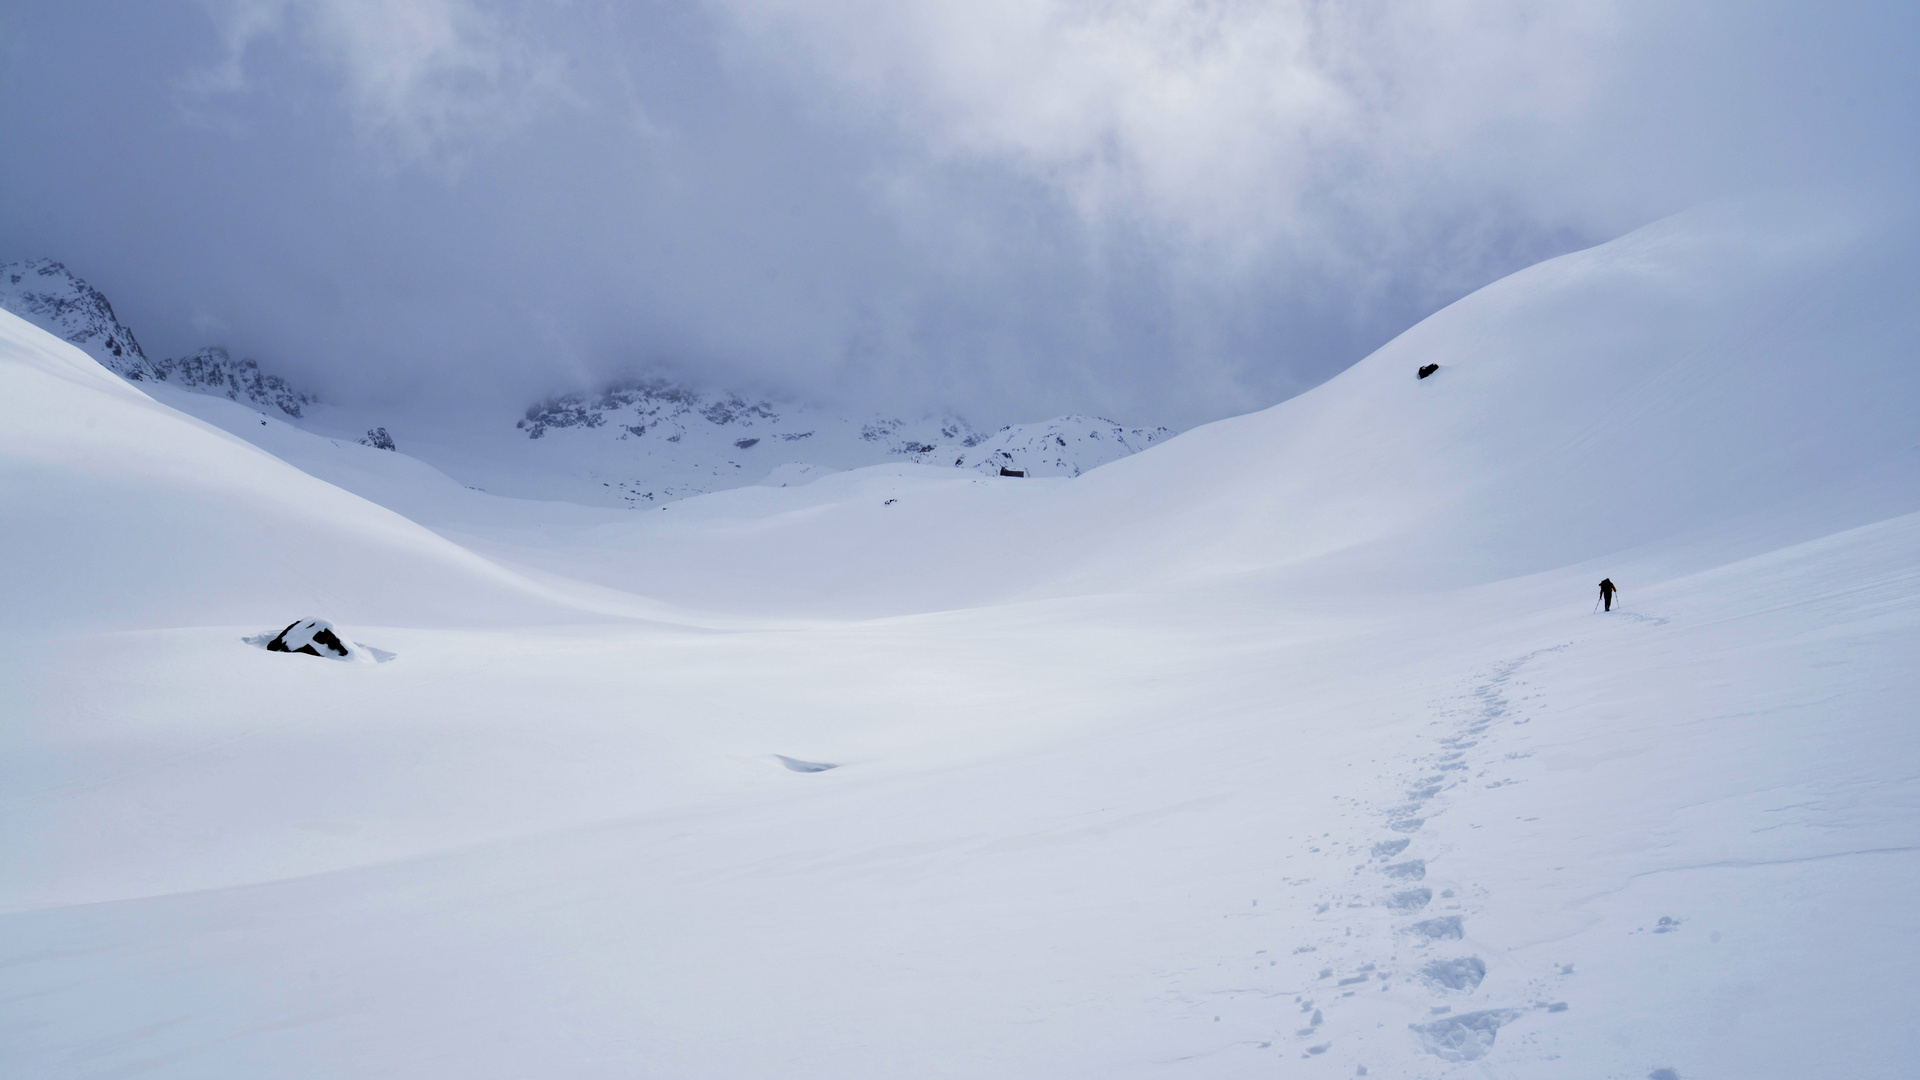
[1158, 211]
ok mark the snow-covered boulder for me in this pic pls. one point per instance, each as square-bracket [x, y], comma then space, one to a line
[315, 637]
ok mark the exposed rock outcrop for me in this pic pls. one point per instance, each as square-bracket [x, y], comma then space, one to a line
[50, 296]
[213, 371]
[57, 300]
[683, 442]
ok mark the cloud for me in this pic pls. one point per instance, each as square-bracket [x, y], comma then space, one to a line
[426, 77]
[1227, 124]
[1163, 211]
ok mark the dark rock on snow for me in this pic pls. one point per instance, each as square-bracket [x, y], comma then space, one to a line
[315, 637]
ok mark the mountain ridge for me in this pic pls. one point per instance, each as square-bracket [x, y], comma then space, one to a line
[44, 292]
[639, 442]
[700, 439]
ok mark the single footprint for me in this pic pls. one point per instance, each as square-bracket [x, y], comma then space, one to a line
[1459, 973]
[1411, 899]
[1466, 1037]
[1444, 927]
[1387, 849]
[1411, 870]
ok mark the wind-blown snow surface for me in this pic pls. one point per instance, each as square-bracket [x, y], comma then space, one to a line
[1287, 747]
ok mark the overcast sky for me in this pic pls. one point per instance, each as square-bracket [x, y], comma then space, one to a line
[1162, 211]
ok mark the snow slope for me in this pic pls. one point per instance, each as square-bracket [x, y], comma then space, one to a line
[586, 450]
[119, 513]
[1306, 762]
[1743, 371]
[55, 299]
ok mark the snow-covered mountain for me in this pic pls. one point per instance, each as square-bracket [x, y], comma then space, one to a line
[50, 296]
[639, 444]
[212, 371]
[1063, 446]
[656, 440]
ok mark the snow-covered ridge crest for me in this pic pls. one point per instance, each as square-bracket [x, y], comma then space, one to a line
[693, 441]
[50, 296]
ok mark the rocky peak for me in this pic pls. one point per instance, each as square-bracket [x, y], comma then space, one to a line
[654, 440]
[50, 296]
[57, 300]
[644, 405]
[213, 371]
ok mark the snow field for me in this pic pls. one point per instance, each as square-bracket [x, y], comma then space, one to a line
[1049, 878]
[1126, 763]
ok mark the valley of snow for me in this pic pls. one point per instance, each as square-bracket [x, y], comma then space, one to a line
[1291, 745]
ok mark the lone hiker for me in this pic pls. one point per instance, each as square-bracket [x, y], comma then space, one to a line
[1607, 589]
